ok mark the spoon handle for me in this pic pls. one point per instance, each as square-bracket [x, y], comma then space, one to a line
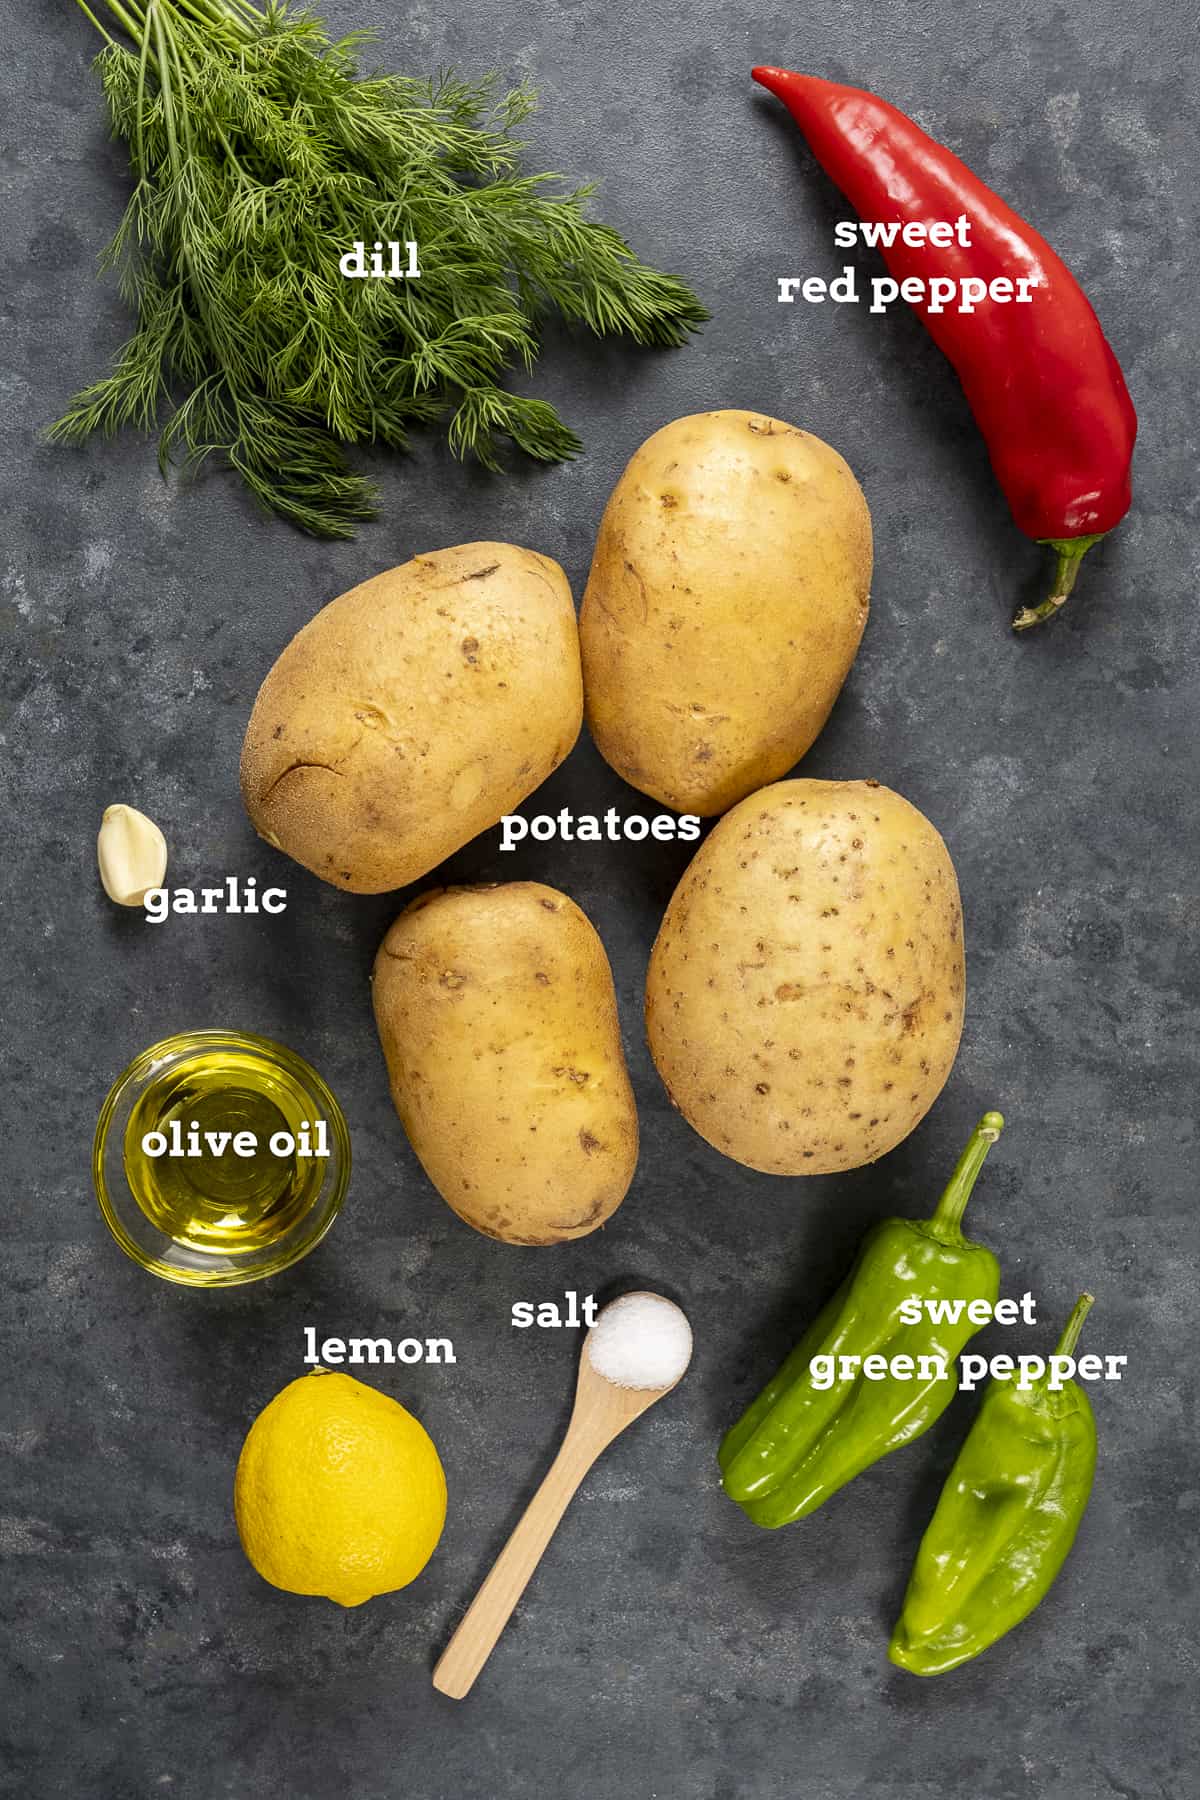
[492, 1606]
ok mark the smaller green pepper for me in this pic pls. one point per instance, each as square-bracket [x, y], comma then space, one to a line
[1005, 1522]
[916, 1292]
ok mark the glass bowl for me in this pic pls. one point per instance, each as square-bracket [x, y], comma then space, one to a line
[223, 1079]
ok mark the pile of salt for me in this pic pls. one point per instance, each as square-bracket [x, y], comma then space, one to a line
[641, 1341]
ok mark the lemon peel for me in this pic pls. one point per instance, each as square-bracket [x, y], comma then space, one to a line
[339, 1491]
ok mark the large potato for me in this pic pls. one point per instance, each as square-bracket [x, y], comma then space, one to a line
[805, 994]
[725, 604]
[498, 1020]
[413, 712]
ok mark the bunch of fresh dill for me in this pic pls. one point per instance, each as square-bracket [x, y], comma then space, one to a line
[260, 155]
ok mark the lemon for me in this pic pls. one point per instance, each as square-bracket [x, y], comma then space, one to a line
[339, 1491]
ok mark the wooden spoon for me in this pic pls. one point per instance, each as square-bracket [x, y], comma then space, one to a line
[602, 1411]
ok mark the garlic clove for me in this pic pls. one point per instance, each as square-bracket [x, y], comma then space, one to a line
[132, 853]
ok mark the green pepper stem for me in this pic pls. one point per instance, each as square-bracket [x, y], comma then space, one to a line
[1070, 553]
[1074, 1325]
[947, 1217]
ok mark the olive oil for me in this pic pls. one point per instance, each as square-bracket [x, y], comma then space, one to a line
[213, 1198]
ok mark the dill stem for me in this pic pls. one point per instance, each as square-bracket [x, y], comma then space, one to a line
[139, 144]
[164, 88]
[102, 29]
[211, 15]
[202, 10]
[132, 23]
[164, 26]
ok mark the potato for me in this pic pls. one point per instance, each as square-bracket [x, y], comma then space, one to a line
[725, 604]
[413, 712]
[498, 1021]
[804, 1000]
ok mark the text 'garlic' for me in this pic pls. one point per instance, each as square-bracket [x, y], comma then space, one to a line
[132, 853]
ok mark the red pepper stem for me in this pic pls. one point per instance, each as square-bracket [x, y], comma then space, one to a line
[1070, 1336]
[947, 1219]
[1070, 553]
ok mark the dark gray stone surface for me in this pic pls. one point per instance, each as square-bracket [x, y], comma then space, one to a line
[666, 1648]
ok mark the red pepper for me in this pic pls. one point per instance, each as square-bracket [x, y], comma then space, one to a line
[1044, 386]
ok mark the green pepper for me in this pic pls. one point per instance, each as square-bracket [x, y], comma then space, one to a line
[1005, 1522]
[805, 1437]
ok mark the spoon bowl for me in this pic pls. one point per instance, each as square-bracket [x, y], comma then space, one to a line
[606, 1406]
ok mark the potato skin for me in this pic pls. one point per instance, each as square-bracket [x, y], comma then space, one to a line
[413, 712]
[804, 1000]
[725, 604]
[498, 1021]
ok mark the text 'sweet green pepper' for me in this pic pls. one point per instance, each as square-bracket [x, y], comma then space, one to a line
[1006, 1519]
[803, 1439]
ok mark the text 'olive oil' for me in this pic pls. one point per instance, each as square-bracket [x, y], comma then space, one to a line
[223, 1198]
